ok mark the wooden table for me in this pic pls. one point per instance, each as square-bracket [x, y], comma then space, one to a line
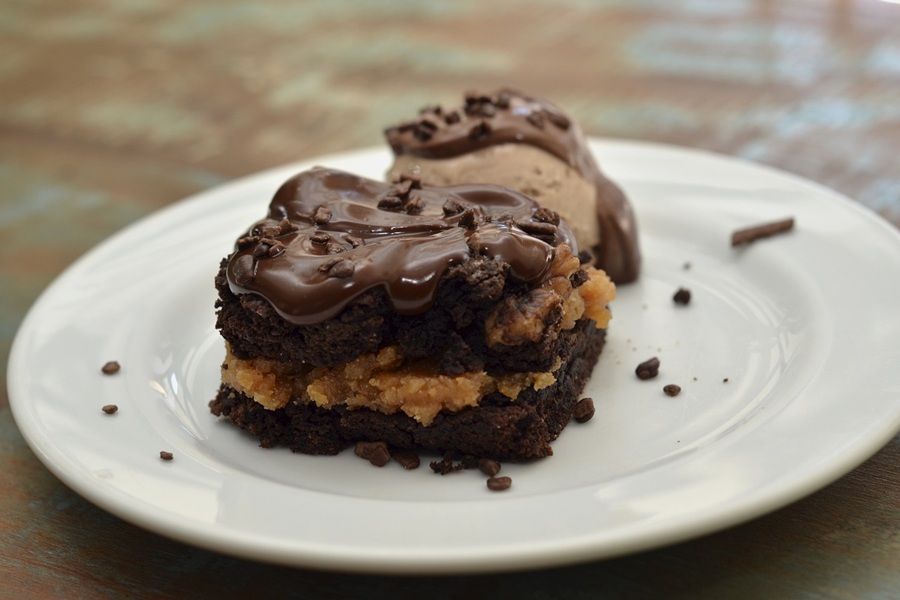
[110, 110]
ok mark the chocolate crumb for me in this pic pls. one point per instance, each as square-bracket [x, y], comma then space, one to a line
[648, 369]
[546, 215]
[445, 466]
[166, 455]
[499, 484]
[408, 459]
[110, 368]
[725, 380]
[583, 410]
[751, 234]
[374, 452]
[686, 266]
[390, 203]
[585, 257]
[682, 296]
[322, 216]
[110, 409]
[453, 207]
[672, 390]
[488, 466]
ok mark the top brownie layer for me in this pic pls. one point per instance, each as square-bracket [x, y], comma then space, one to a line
[344, 265]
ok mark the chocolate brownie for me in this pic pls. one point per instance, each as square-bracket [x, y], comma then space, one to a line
[454, 319]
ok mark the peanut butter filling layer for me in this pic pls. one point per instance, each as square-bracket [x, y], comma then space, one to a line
[385, 382]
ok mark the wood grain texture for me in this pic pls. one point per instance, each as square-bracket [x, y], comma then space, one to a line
[110, 110]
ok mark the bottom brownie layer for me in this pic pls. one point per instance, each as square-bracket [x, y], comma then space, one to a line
[498, 428]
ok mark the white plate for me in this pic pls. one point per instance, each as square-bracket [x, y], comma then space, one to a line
[804, 327]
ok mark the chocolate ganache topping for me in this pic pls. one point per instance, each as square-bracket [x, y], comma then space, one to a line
[330, 236]
[510, 117]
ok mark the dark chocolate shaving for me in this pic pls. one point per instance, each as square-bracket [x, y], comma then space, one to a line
[751, 234]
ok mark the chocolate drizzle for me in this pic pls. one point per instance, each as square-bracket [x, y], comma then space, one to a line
[330, 236]
[509, 117]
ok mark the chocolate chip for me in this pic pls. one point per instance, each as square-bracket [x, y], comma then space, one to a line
[341, 268]
[546, 215]
[414, 206]
[648, 369]
[422, 134]
[682, 296]
[543, 231]
[488, 466]
[452, 118]
[578, 278]
[672, 390]
[166, 455]
[558, 119]
[374, 452]
[585, 257]
[286, 226]
[247, 241]
[275, 249]
[502, 99]
[262, 249]
[110, 368]
[244, 269]
[390, 203]
[110, 409]
[453, 207]
[536, 119]
[480, 131]
[407, 458]
[584, 410]
[468, 219]
[322, 216]
[499, 484]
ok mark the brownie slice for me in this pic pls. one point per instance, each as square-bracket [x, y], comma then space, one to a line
[455, 319]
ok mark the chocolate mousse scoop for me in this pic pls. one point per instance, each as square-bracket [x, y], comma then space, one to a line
[330, 236]
[510, 117]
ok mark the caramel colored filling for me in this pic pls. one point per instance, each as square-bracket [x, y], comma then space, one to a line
[385, 382]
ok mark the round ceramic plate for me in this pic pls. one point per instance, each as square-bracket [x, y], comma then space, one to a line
[786, 356]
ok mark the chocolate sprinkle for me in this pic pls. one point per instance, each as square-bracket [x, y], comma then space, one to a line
[648, 369]
[672, 390]
[110, 409]
[751, 234]
[499, 484]
[584, 410]
[110, 368]
[374, 452]
[682, 296]
[166, 455]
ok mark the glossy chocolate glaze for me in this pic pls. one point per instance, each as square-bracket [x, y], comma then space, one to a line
[509, 117]
[330, 236]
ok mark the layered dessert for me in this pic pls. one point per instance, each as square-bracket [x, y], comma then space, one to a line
[510, 139]
[457, 319]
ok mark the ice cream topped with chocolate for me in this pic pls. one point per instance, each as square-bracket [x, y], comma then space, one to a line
[510, 139]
